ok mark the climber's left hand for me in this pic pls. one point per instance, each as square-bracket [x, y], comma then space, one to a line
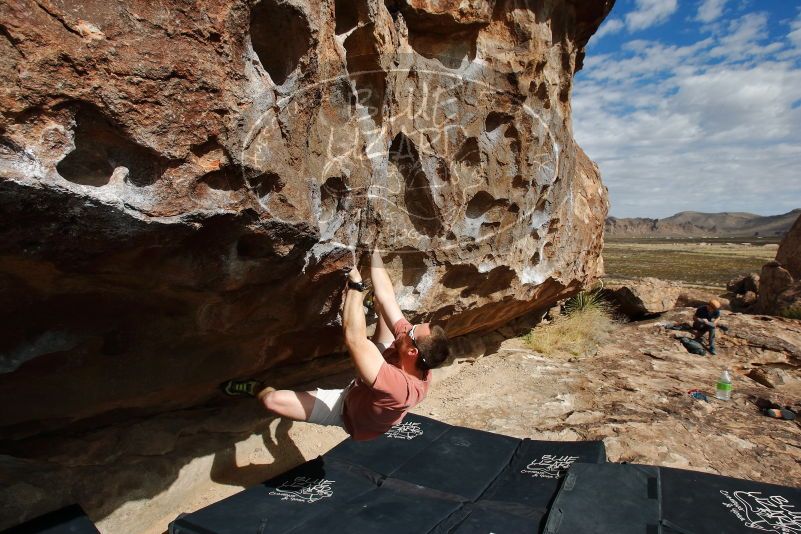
[354, 275]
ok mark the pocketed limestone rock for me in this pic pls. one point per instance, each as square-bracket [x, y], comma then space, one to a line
[181, 185]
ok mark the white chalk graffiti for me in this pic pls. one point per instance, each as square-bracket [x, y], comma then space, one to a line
[768, 514]
[404, 431]
[549, 466]
[304, 489]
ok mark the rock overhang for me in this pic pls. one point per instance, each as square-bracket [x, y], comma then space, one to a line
[177, 202]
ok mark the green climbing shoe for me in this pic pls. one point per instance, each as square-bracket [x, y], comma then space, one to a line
[240, 388]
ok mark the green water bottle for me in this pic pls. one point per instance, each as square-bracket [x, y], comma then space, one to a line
[723, 387]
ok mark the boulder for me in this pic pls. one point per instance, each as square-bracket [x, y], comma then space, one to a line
[644, 297]
[780, 282]
[789, 253]
[744, 301]
[780, 293]
[743, 292]
[180, 186]
[690, 297]
[744, 284]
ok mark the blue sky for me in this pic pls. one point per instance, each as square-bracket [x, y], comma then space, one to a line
[695, 105]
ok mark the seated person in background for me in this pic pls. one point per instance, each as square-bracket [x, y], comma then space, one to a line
[393, 371]
[705, 321]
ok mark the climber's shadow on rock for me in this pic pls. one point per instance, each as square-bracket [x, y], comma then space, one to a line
[224, 468]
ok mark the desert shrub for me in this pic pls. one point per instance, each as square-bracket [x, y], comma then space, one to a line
[586, 300]
[587, 323]
[793, 312]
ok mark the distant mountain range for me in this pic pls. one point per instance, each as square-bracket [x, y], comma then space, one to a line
[695, 224]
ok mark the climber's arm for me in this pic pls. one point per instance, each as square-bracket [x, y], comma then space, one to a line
[365, 354]
[384, 291]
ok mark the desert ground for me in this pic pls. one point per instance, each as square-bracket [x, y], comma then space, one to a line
[632, 393]
[708, 263]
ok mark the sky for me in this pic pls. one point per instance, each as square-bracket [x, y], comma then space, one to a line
[694, 105]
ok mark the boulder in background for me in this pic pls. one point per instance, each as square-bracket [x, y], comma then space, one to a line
[644, 297]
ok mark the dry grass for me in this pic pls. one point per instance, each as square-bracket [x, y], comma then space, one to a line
[707, 264]
[793, 312]
[587, 324]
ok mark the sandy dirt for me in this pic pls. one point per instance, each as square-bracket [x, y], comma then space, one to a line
[633, 395]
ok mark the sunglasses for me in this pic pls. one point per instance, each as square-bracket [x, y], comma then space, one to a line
[410, 333]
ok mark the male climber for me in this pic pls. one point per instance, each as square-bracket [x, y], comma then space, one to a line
[393, 370]
[705, 321]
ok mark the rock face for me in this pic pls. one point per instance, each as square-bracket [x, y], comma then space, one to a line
[180, 185]
[780, 293]
[780, 281]
[789, 253]
[643, 297]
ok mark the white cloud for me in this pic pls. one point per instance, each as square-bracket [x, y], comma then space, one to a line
[710, 10]
[795, 31]
[609, 27]
[742, 38]
[747, 105]
[713, 126]
[650, 13]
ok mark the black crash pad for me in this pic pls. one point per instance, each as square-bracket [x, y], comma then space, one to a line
[422, 476]
[613, 498]
[387, 453]
[462, 461]
[700, 503]
[488, 516]
[317, 488]
[519, 498]
[69, 520]
[389, 509]
[629, 499]
[537, 468]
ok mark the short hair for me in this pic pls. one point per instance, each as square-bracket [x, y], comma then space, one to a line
[433, 349]
[715, 303]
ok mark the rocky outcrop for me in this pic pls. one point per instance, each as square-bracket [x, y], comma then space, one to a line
[744, 292]
[745, 284]
[789, 253]
[180, 185]
[780, 281]
[643, 297]
[780, 293]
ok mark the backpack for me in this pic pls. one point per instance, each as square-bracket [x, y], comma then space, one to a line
[693, 346]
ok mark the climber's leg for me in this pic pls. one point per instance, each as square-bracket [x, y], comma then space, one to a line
[297, 405]
[321, 407]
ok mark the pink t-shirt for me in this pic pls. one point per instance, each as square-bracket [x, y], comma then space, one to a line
[371, 411]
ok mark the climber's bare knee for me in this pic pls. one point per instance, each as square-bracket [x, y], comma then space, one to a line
[295, 405]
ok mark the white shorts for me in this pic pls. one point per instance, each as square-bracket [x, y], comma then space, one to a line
[328, 406]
